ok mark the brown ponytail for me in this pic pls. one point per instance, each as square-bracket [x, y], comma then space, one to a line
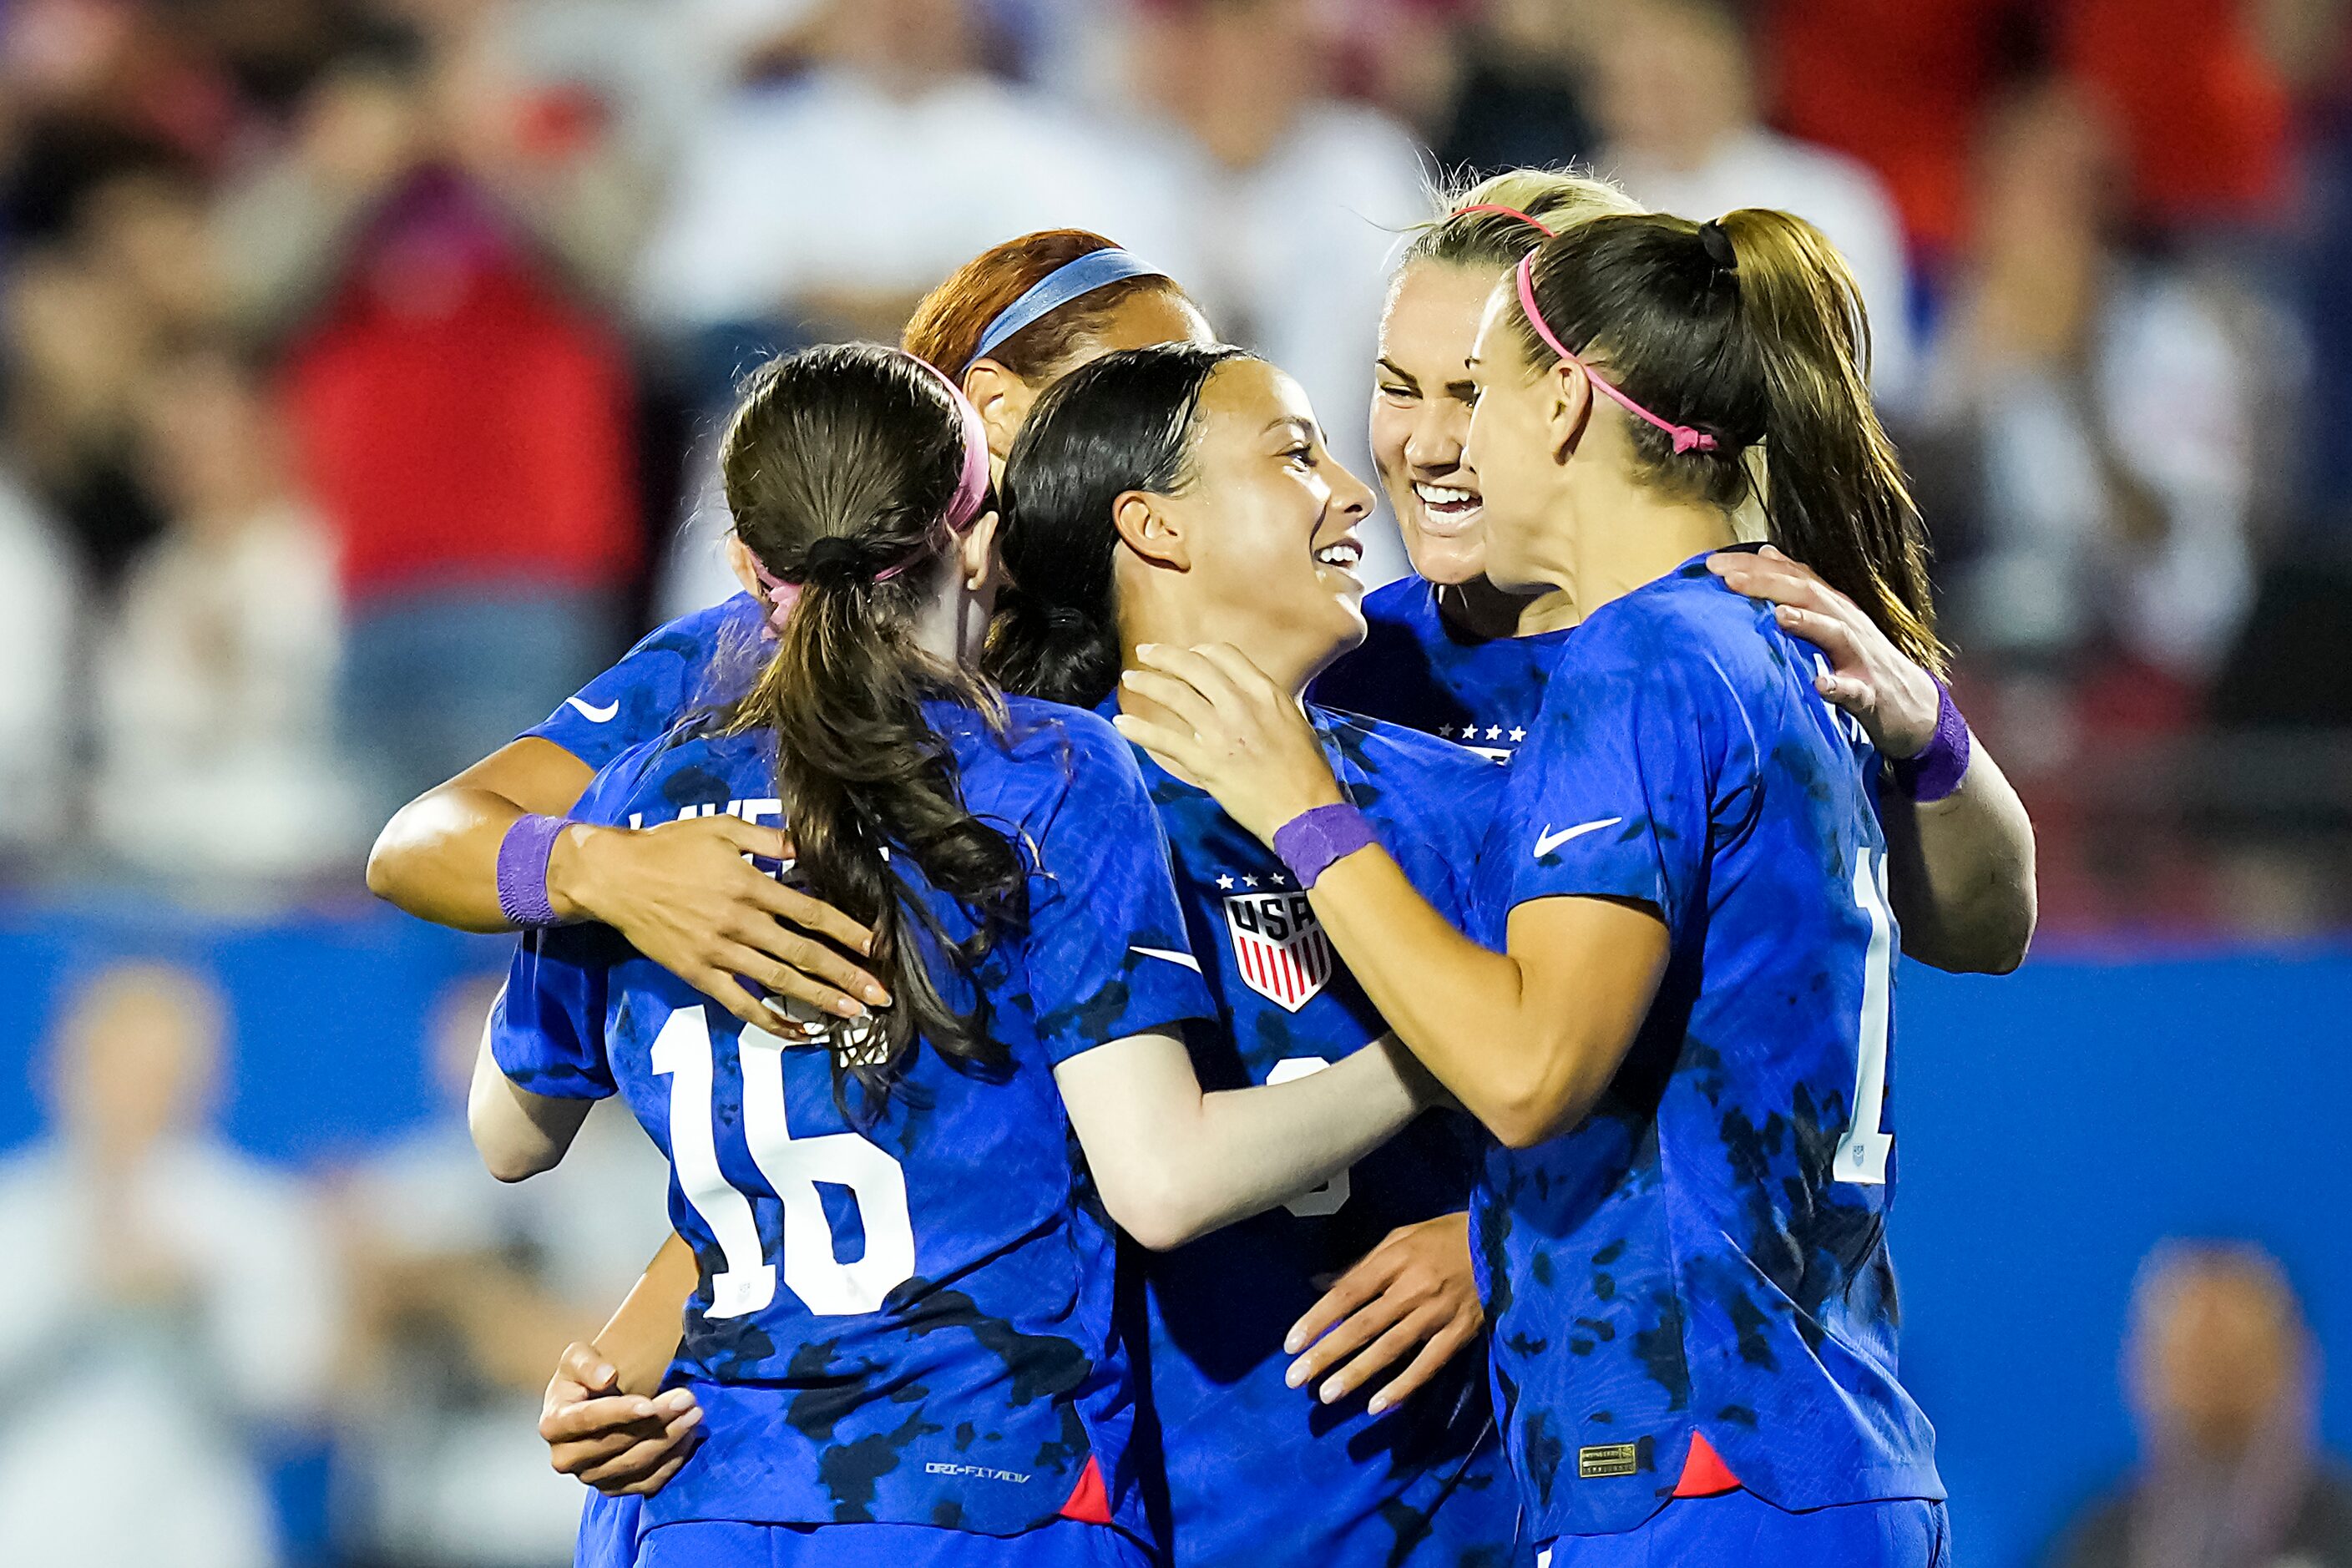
[1754, 333]
[1836, 498]
[839, 466]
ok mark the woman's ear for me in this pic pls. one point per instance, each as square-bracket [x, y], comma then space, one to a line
[1148, 527]
[1003, 400]
[976, 556]
[1568, 407]
[738, 561]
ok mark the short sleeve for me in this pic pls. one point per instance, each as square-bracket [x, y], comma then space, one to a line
[1613, 793]
[547, 1032]
[639, 699]
[1108, 953]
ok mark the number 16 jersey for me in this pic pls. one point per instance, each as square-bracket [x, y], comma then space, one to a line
[904, 1317]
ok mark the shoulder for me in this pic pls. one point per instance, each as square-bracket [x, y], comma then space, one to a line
[1685, 637]
[1406, 604]
[1415, 774]
[702, 632]
[1051, 765]
[663, 777]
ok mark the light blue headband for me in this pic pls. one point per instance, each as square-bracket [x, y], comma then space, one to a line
[1094, 270]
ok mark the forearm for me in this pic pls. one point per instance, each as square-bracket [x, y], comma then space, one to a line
[1961, 872]
[1172, 1162]
[438, 856]
[1459, 1006]
[518, 1134]
[642, 1337]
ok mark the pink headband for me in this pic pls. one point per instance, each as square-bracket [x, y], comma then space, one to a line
[1685, 438]
[962, 510]
[1534, 223]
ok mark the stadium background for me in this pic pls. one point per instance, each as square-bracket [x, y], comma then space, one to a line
[354, 364]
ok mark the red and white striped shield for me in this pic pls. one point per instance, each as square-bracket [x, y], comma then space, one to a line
[1279, 947]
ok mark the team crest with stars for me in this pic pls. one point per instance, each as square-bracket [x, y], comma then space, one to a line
[1279, 948]
[1494, 741]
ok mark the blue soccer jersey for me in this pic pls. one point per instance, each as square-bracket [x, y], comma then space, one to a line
[698, 661]
[1419, 669]
[1258, 1472]
[1707, 1250]
[904, 1317]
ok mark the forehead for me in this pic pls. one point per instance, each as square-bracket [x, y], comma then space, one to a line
[1433, 315]
[1242, 397]
[1150, 316]
[1497, 344]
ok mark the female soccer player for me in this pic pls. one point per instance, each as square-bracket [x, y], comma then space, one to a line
[1168, 494]
[902, 1332]
[1679, 1032]
[1005, 325]
[1450, 653]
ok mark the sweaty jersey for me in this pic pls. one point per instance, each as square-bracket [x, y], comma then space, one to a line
[1707, 1250]
[1257, 1472]
[906, 1315]
[696, 662]
[1419, 669]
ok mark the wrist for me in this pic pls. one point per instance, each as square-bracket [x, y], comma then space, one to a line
[573, 862]
[1934, 770]
[1312, 841]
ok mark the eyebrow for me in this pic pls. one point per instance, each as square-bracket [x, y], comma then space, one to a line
[1397, 371]
[1303, 427]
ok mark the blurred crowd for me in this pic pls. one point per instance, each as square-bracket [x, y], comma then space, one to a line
[345, 1369]
[358, 358]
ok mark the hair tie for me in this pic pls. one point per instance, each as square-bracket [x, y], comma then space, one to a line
[1062, 618]
[836, 556]
[1718, 247]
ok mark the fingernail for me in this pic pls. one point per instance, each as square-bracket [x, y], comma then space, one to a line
[875, 995]
[846, 1007]
[691, 1419]
[1297, 1375]
[1334, 1391]
[1293, 1342]
[644, 1409]
[1145, 649]
[677, 1399]
[1380, 1402]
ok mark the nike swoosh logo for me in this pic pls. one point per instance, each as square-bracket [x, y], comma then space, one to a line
[596, 715]
[1186, 959]
[1549, 841]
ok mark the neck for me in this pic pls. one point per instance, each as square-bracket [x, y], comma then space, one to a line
[1173, 624]
[1482, 609]
[1614, 536]
[953, 626]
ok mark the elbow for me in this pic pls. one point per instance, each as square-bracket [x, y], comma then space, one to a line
[1534, 1111]
[1154, 1208]
[510, 1166]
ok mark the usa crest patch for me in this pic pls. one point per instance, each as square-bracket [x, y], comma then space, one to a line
[1279, 947]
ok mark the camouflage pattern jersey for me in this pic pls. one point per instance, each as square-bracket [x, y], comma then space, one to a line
[1707, 1251]
[905, 1316]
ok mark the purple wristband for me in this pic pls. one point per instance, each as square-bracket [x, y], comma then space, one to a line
[1310, 841]
[522, 869]
[1936, 771]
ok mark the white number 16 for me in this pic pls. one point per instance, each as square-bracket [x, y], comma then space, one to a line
[792, 1166]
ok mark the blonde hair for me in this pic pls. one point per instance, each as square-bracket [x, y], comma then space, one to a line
[1556, 198]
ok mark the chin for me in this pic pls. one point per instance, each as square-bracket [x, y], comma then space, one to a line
[1448, 563]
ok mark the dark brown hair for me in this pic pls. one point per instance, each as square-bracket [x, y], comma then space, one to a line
[946, 326]
[839, 466]
[1124, 421]
[1757, 335]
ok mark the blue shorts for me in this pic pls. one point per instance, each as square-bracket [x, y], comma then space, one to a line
[719, 1543]
[608, 1531]
[1741, 1528]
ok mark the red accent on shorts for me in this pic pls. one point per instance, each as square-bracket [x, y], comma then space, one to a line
[1703, 1473]
[1089, 1499]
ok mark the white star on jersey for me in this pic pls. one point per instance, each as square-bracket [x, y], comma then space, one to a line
[1224, 882]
